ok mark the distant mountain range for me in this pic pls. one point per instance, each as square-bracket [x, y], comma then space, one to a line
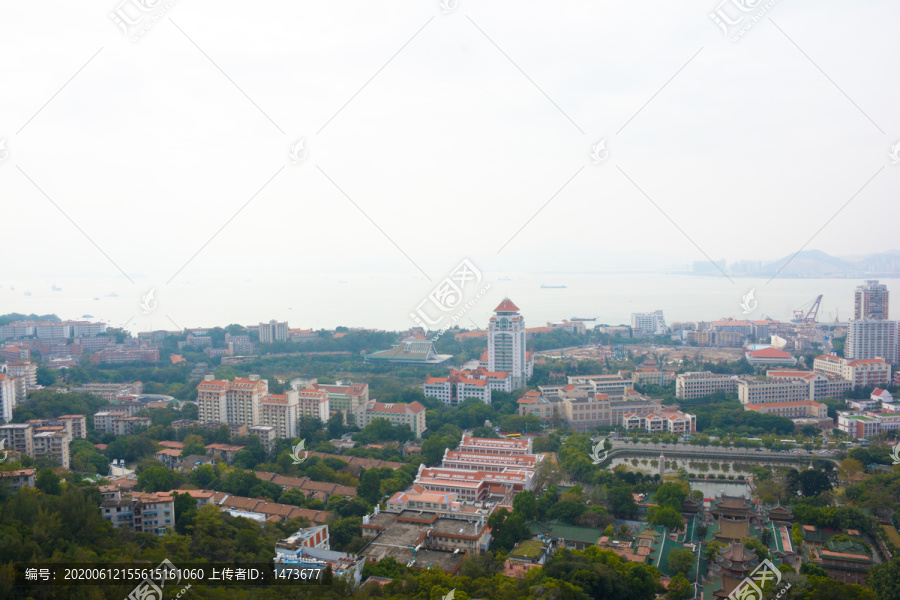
[817, 264]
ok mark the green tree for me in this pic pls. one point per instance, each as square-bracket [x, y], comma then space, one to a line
[157, 479]
[679, 588]
[884, 579]
[370, 486]
[672, 495]
[681, 561]
[621, 502]
[48, 482]
[665, 516]
[525, 503]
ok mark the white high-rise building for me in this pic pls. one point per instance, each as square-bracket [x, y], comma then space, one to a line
[872, 339]
[273, 331]
[7, 397]
[871, 301]
[653, 323]
[506, 344]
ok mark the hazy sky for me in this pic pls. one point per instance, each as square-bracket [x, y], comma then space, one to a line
[439, 135]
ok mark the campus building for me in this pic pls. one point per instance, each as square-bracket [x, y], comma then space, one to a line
[703, 383]
[232, 402]
[409, 415]
[506, 344]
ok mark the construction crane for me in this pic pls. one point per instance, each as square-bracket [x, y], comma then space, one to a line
[809, 316]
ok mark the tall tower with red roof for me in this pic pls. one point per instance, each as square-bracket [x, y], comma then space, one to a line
[506, 343]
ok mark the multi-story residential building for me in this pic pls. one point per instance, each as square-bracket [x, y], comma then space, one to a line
[124, 354]
[147, 513]
[87, 329]
[52, 444]
[868, 339]
[870, 301]
[239, 344]
[506, 344]
[575, 327]
[267, 436]
[313, 403]
[103, 420]
[345, 399]
[280, 411]
[18, 478]
[232, 402]
[703, 383]
[111, 391]
[7, 397]
[793, 410]
[224, 451]
[667, 420]
[411, 415]
[652, 323]
[21, 368]
[129, 425]
[273, 331]
[14, 352]
[19, 437]
[863, 372]
[75, 426]
[477, 461]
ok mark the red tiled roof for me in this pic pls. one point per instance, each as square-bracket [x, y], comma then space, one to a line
[769, 353]
[506, 306]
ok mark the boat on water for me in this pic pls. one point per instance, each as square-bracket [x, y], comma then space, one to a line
[583, 319]
[544, 286]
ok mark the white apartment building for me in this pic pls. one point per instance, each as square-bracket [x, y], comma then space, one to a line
[313, 403]
[703, 383]
[871, 339]
[53, 444]
[863, 372]
[19, 438]
[280, 411]
[7, 397]
[25, 369]
[233, 402]
[871, 301]
[652, 323]
[506, 344]
[273, 331]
